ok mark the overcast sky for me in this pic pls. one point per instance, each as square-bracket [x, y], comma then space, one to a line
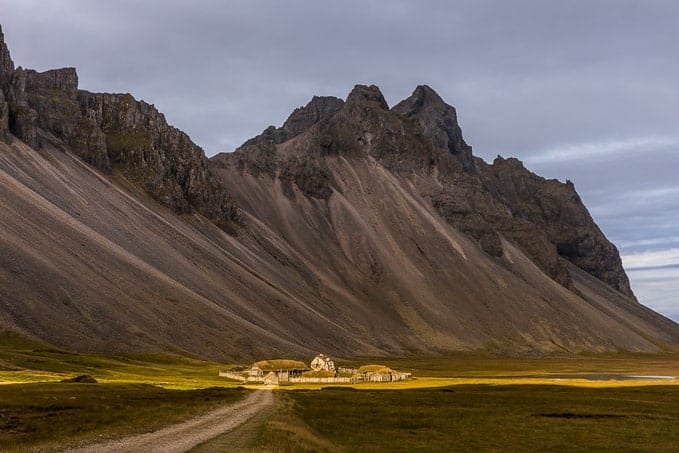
[583, 90]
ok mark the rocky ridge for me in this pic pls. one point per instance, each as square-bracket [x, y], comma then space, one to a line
[113, 132]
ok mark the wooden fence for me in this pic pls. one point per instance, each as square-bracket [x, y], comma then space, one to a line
[371, 377]
[322, 380]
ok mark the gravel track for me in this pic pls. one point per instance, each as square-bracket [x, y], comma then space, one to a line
[186, 435]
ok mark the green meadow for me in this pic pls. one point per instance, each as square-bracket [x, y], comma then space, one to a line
[42, 415]
[476, 418]
[134, 393]
[25, 361]
[462, 402]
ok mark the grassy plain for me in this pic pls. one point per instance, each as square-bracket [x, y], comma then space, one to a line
[605, 370]
[49, 414]
[477, 402]
[461, 402]
[25, 361]
[476, 418]
[135, 393]
[476, 365]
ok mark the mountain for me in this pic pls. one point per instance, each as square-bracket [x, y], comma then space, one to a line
[353, 229]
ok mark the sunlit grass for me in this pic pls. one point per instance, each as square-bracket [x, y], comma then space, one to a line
[434, 382]
[139, 392]
[24, 361]
[477, 418]
[485, 365]
[135, 393]
[590, 371]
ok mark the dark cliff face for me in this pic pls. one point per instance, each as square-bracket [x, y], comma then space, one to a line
[6, 71]
[546, 218]
[557, 211]
[6, 63]
[258, 155]
[113, 132]
[318, 109]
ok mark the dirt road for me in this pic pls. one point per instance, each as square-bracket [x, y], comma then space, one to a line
[186, 435]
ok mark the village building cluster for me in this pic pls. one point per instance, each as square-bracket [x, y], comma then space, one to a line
[322, 370]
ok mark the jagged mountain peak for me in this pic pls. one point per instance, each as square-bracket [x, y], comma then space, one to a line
[439, 121]
[422, 97]
[319, 108]
[366, 96]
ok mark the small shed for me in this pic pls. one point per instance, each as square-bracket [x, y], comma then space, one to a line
[380, 373]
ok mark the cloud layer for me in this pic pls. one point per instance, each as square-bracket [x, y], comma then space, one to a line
[581, 90]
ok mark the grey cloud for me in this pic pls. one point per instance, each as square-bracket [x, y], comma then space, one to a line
[658, 288]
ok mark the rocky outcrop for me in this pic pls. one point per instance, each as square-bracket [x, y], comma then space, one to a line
[141, 145]
[366, 99]
[557, 212]
[50, 112]
[366, 127]
[16, 117]
[113, 132]
[320, 108]
[546, 218]
[258, 156]
[64, 81]
[6, 63]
